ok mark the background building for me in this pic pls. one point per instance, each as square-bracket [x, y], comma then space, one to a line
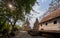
[27, 25]
[36, 26]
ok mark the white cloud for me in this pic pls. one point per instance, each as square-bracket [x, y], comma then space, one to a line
[36, 15]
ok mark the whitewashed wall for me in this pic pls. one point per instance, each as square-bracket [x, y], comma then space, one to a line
[50, 25]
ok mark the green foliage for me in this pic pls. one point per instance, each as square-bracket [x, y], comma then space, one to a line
[21, 7]
[16, 12]
[7, 26]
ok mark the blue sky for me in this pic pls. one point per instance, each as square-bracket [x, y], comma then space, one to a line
[41, 9]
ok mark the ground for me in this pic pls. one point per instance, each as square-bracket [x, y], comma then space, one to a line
[24, 34]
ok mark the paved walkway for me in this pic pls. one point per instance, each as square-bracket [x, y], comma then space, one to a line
[24, 34]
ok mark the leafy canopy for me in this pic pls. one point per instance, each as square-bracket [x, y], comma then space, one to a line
[15, 9]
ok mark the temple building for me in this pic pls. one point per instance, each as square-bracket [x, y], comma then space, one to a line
[51, 21]
[36, 26]
[27, 25]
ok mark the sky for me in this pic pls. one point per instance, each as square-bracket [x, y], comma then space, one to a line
[41, 8]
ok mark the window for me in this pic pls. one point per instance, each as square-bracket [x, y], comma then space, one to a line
[55, 22]
[46, 23]
[41, 24]
[42, 29]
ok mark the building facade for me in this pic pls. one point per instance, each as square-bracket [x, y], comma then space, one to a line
[51, 22]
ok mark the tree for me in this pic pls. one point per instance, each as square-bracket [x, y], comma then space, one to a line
[15, 10]
[55, 4]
